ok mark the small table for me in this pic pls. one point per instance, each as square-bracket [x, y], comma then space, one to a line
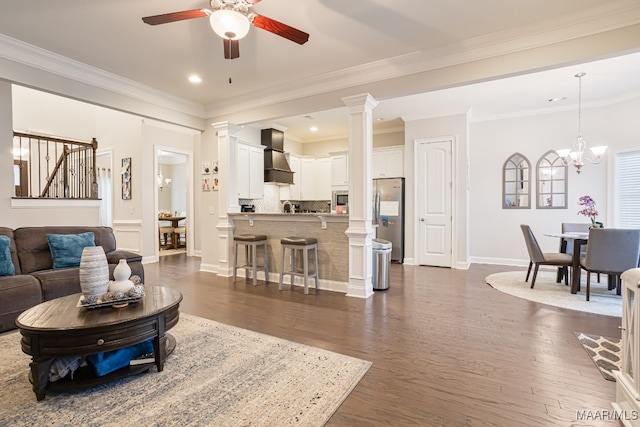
[579, 239]
[173, 219]
[58, 328]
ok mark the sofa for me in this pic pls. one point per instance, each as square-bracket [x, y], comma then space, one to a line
[35, 279]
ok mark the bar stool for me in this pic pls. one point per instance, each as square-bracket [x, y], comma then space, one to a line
[251, 242]
[304, 244]
[180, 236]
[167, 233]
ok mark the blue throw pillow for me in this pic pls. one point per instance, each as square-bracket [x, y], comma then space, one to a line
[6, 265]
[66, 249]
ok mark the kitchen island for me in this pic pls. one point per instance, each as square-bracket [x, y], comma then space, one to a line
[329, 229]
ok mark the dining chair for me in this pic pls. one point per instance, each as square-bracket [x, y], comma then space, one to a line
[611, 251]
[566, 246]
[538, 258]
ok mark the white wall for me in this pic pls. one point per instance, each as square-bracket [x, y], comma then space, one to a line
[495, 235]
[123, 134]
[440, 127]
[323, 148]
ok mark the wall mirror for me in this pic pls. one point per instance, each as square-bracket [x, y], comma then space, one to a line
[551, 191]
[516, 176]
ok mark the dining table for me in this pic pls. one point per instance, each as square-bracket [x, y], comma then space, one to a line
[579, 239]
[173, 219]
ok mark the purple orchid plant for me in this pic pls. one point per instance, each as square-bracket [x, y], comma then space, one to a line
[589, 210]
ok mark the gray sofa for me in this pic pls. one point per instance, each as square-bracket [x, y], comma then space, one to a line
[36, 281]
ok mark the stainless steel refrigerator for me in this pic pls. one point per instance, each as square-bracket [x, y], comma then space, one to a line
[388, 214]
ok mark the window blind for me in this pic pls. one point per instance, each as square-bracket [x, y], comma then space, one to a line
[627, 189]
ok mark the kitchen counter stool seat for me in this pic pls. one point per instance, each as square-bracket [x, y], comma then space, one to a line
[294, 244]
[251, 243]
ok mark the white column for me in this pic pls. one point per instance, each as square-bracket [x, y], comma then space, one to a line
[360, 229]
[227, 195]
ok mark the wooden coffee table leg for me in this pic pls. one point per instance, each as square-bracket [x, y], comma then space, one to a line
[40, 377]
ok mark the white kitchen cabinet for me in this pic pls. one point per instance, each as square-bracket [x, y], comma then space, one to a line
[339, 170]
[249, 171]
[388, 162]
[295, 188]
[310, 179]
[322, 179]
[308, 183]
[628, 377]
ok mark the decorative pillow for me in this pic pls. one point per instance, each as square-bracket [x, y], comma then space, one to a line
[6, 265]
[66, 249]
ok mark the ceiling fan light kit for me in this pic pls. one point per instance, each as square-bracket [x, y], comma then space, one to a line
[229, 24]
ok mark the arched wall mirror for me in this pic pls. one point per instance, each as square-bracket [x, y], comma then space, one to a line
[516, 177]
[551, 191]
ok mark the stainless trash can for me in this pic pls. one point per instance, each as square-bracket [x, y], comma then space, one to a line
[381, 263]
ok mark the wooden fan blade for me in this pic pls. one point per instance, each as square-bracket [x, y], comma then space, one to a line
[175, 16]
[231, 49]
[275, 27]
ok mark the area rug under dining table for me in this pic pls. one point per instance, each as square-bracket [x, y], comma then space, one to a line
[218, 375]
[547, 291]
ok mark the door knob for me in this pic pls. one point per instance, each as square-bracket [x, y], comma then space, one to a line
[421, 219]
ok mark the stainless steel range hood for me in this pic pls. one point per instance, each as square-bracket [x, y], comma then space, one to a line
[276, 167]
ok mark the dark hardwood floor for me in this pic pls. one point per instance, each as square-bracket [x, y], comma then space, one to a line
[447, 349]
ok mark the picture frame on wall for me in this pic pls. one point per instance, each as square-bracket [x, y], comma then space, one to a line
[126, 178]
[214, 167]
[206, 184]
[215, 184]
[206, 167]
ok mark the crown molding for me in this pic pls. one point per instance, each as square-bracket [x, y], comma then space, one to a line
[584, 23]
[474, 49]
[33, 56]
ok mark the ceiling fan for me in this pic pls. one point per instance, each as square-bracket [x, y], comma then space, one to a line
[231, 20]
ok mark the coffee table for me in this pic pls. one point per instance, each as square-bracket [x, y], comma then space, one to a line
[59, 328]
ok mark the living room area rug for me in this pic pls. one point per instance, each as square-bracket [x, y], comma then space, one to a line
[218, 375]
[605, 352]
[547, 291]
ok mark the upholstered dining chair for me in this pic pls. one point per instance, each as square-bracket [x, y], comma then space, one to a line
[611, 251]
[538, 258]
[566, 246]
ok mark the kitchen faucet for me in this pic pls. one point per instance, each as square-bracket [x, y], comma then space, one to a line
[286, 203]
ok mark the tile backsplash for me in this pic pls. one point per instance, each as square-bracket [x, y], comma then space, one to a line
[271, 202]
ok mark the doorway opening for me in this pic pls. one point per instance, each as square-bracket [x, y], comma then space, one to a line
[172, 202]
[104, 175]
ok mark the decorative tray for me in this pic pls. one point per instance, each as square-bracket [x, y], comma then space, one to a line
[117, 303]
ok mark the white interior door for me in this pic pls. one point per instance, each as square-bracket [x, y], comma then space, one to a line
[434, 204]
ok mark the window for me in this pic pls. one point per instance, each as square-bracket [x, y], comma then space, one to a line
[516, 175]
[551, 191]
[626, 196]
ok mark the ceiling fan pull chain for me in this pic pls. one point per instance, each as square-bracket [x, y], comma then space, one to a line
[229, 68]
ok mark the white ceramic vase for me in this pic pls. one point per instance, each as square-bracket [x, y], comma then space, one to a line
[94, 271]
[122, 271]
[121, 274]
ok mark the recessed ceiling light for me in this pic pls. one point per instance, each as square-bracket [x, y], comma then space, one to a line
[556, 99]
[195, 78]
[313, 129]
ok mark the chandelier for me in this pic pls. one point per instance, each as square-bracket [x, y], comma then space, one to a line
[576, 154]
